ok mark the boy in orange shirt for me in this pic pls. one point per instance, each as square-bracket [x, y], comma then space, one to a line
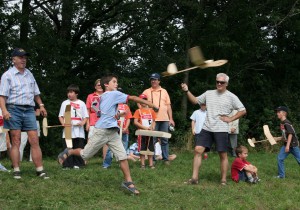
[144, 119]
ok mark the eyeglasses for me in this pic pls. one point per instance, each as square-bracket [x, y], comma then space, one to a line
[220, 82]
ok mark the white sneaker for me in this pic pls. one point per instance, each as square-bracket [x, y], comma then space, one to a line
[2, 168]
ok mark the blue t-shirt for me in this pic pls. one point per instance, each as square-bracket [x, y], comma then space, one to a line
[108, 106]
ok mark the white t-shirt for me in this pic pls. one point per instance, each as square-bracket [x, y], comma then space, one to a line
[219, 104]
[78, 113]
[199, 117]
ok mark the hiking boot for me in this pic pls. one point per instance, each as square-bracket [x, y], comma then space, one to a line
[17, 174]
[42, 174]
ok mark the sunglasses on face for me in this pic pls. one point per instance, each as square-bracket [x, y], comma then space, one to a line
[220, 82]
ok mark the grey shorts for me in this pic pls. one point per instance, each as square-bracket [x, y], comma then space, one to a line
[207, 138]
[100, 137]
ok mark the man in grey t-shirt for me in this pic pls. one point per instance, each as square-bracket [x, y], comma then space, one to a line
[220, 103]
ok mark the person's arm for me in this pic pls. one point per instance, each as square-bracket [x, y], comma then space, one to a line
[190, 96]
[288, 143]
[238, 115]
[5, 113]
[38, 100]
[193, 127]
[61, 120]
[140, 100]
[170, 114]
[139, 125]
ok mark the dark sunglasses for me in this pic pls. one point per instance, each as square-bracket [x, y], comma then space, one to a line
[220, 82]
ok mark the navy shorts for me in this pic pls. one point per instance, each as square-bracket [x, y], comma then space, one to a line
[145, 141]
[207, 138]
[22, 118]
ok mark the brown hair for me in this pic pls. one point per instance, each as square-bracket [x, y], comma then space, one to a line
[240, 149]
[97, 81]
[106, 79]
[73, 88]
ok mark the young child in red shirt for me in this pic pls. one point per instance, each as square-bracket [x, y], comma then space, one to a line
[144, 119]
[241, 169]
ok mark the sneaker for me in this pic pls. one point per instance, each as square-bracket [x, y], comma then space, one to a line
[76, 167]
[42, 174]
[279, 177]
[17, 174]
[2, 168]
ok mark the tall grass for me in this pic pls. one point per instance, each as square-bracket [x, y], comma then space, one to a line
[161, 188]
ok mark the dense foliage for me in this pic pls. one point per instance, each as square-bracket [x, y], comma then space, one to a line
[76, 42]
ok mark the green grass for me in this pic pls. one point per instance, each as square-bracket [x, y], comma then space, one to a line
[162, 188]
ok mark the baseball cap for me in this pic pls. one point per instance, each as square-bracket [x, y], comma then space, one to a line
[143, 96]
[282, 108]
[155, 76]
[19, 52]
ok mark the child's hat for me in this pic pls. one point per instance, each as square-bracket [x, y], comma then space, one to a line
[282, 108]
[143, 96]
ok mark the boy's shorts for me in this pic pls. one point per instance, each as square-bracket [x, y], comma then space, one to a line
[22, 118]
[207, 138]
[102, 136]
[146, 142]
[243, 176]
[91, 131]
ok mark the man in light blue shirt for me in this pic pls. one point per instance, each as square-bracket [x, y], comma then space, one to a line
[18, 91]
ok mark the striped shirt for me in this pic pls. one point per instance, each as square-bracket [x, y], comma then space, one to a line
[19, 88]
[219, 104]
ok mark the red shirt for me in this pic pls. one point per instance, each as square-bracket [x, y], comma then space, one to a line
[237, 166]
[92, 98]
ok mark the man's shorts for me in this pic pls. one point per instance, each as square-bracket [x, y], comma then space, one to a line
[22, 118]
[207, 138]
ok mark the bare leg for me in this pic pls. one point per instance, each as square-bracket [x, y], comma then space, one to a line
[126, 172]
[223, 165]
[104, 151]
[150, 159]
[142, 160]
[197, 161]
[35, 148]
[15, 136]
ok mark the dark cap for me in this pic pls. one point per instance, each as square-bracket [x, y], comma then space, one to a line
[155, 76]
[282, 108]
[19, 52]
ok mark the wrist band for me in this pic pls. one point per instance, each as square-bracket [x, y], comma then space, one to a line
[41, 105]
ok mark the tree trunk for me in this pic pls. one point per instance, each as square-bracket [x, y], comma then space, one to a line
[24, 26]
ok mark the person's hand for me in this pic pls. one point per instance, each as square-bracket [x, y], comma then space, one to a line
[193, 132]
[184, 87]
[171, 122]
[6, 115]
[87, 128]
[156, 109]
[232, 130]
[287, 149]
[124, 130]
[43, 111]
[225, 118]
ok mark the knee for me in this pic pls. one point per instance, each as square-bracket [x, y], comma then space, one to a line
[34, 141]
[199, 150]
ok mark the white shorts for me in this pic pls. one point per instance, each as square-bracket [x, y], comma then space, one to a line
[91, 131]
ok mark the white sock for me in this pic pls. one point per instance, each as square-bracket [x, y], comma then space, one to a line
[16, 169]
[41, 168]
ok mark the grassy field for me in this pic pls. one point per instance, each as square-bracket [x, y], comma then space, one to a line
[161, 188]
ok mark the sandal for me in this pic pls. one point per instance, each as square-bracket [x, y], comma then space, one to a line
[62, 156]
[223, 183]
[152, 167]
[191, 181]
[132, 190]
[143, 167]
